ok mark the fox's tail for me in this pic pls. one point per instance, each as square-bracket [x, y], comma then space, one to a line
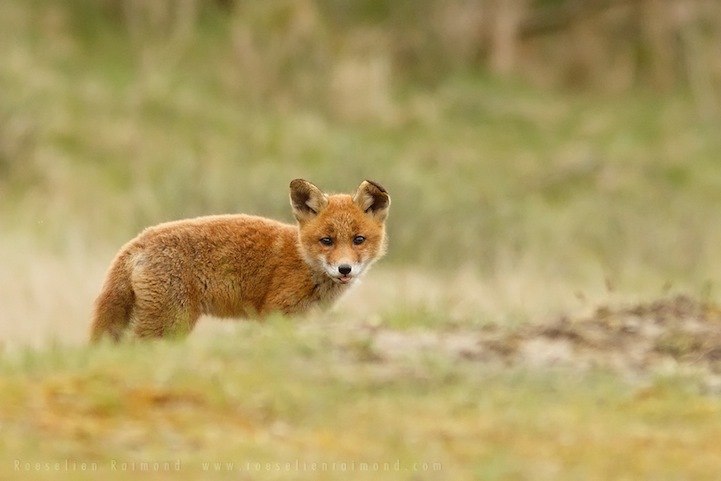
[114, 304]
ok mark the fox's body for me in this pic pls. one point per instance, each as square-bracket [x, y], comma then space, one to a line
[242, 266]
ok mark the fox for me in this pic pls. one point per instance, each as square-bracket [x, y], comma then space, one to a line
[242, 266]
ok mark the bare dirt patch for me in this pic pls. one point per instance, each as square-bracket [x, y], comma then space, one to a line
[677, 334]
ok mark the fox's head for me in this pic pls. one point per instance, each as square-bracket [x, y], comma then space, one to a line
[340, 235]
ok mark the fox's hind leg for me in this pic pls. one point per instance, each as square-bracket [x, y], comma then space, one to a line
[158, 318]
[162, 308]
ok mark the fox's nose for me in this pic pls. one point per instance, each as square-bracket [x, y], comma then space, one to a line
[344, 269]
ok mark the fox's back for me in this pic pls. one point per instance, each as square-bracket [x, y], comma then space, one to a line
[210, 232]
[225, 263]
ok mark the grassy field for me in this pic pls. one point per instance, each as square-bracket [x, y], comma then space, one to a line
[313, 400]
[526, 323]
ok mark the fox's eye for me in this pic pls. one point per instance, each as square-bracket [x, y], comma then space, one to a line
[326, 241]
[358, 240]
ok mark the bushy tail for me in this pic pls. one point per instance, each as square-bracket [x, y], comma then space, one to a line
[114, 305]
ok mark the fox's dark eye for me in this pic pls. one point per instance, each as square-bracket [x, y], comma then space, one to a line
[358, 240]
[326, 241]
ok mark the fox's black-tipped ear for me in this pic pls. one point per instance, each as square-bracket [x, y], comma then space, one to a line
[373, 199]
[306, 199]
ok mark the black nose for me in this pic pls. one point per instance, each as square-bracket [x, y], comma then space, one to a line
[344, 269]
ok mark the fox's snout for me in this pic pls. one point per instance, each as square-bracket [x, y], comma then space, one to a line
[344, 273]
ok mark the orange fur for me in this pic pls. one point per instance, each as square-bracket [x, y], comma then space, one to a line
[242, 266]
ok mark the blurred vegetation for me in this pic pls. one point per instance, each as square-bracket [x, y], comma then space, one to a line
[570, 135]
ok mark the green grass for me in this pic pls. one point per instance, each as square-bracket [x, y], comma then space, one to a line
[281, 393]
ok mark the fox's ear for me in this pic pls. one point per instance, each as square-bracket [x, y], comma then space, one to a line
[373, 199]
[306, 199]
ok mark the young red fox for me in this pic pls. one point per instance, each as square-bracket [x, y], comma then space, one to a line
[242, 266]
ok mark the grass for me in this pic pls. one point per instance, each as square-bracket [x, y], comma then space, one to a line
[275, 393]
[511, 205]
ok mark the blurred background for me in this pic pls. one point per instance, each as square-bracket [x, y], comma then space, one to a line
[538, 152]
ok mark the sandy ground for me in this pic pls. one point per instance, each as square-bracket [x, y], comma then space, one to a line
[674, 335]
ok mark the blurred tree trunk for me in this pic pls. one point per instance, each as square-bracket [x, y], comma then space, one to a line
[658, 36]
[698, 59]
[561, 15]
[504, 39]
